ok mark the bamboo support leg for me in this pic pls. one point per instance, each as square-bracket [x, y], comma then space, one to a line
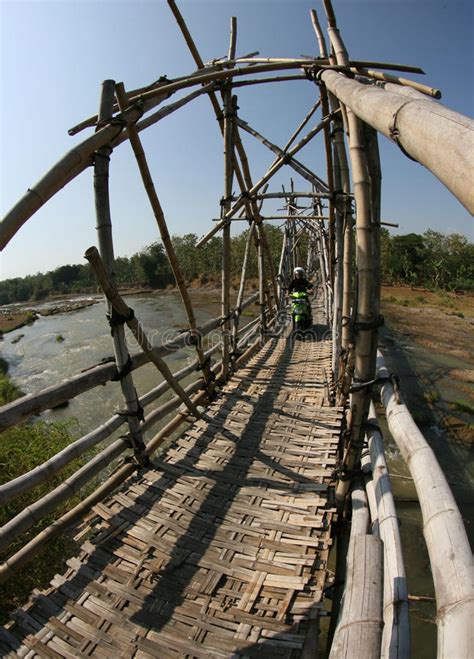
[104, 232]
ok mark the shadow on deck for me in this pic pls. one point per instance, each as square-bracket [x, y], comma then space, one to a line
[220, 548]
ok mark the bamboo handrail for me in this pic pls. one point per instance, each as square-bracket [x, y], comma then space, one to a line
[39, 474]
[443, 527]
[26, 553]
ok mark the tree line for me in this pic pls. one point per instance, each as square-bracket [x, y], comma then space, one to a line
[147, 268]
[431, 260]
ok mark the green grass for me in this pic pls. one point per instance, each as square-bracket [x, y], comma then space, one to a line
[22, 448]
[462, 406]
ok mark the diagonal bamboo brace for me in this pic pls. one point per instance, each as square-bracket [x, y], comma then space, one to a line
[115, 299]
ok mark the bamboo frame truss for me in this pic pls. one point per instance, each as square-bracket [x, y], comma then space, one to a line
[325, 229]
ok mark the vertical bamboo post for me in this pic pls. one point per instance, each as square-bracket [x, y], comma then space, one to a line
[104, 235]
[240, 295]
[375, 174]
[230, 104]
[261, 283]
[338, 272]
[165, 237]
[344, 287]
[365, 317]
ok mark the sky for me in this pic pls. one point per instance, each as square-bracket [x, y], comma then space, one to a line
[55, 54]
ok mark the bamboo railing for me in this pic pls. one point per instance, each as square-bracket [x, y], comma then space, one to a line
[323, 230]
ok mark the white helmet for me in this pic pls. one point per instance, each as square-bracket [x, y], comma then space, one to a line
[298, 271]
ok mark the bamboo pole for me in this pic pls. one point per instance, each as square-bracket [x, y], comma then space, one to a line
[165, 237]
[341, 345]
[252, 207]
[404, 82]
[433, 135]
[230, 108]
[396, 631]
[443, 528]
[240, 294]
[65, 170]
[104, 236]
[301, 169]
[125, 313]
[243, 158]
[364, 364]
[273, 169]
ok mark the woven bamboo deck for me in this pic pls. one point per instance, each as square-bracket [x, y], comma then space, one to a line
[221, 549]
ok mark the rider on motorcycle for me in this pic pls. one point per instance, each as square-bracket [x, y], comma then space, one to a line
[299, 284]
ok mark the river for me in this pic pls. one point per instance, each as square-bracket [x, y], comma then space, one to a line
[39, 359]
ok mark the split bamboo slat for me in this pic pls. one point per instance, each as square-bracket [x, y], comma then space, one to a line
[446, 539]
[222, 545]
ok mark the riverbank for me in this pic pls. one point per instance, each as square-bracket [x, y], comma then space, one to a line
[19, 314]
[439, 327]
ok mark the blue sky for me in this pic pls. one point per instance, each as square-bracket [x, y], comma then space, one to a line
[55, 54]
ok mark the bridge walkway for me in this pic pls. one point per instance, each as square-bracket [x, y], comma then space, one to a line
[219, 550]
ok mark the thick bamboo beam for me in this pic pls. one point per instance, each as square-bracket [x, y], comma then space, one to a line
[443, 528]
[360, 621]
[431, 134]
[396, 631]
[77, 160]
[125, 313]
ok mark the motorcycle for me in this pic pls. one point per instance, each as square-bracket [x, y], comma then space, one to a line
[300, 311]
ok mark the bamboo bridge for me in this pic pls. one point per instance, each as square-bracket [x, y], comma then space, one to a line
[210, 536]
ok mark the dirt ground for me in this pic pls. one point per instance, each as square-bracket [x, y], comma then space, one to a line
[443, 324]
